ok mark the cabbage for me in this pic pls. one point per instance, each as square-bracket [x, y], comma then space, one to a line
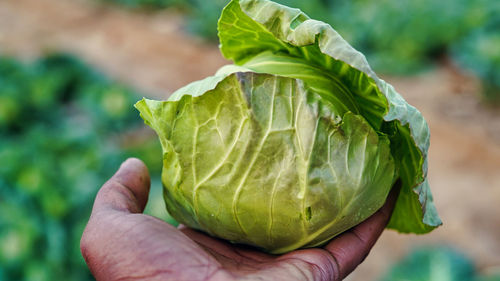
[295, 143]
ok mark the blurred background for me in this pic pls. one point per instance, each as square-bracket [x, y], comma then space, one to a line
[71, 70]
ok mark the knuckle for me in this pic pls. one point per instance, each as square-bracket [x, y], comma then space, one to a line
[86, 244]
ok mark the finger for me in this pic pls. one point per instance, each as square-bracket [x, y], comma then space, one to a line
[351, 248]
[127, 190]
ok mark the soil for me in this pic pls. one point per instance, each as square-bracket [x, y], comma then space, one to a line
[153, 53]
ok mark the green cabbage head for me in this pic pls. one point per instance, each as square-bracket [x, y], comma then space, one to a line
[294, 143]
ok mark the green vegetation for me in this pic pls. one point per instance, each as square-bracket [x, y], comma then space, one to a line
[295, 143]
[397, 36]
[437, 263]
[479, 53]
[62, 135]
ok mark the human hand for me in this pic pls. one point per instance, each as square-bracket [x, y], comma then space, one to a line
[121, 243]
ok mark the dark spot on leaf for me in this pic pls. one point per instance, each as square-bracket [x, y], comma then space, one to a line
[308, 213]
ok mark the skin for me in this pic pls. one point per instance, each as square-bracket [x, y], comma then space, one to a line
[121, 243]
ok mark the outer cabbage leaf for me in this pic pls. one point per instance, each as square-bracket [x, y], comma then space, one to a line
[266, 37]
[253, 156]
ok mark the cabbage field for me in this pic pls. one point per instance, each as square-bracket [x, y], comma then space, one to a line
[397, 36]
[71, 71]
[64, 129]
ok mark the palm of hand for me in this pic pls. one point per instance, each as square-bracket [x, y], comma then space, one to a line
[120, 243]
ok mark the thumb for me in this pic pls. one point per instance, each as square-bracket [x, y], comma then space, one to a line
[127, 190]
